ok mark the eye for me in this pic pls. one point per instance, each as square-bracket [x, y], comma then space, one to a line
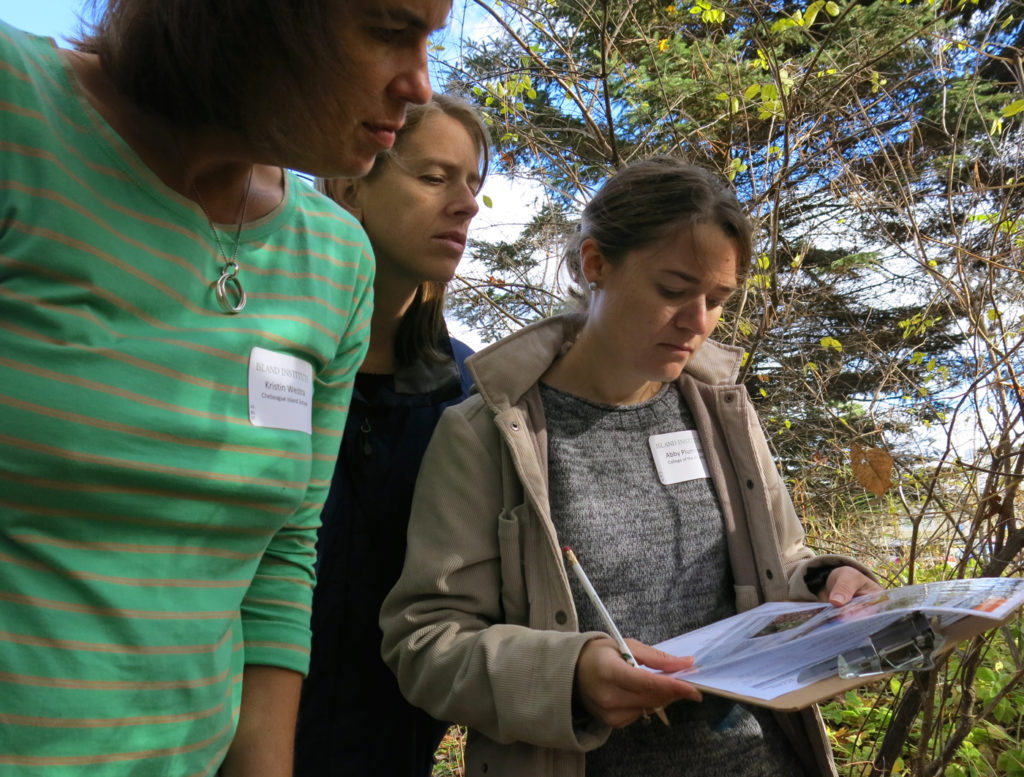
[433, 178]
[387, 34]
[668, 293]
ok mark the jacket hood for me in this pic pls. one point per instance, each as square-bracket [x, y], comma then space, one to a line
[507, 369]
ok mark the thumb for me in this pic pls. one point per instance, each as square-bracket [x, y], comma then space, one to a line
[844, 586]
[658, 659]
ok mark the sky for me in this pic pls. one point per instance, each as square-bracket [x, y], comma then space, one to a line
[512, 202]
[56, 18]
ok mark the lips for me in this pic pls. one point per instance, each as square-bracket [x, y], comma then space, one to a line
[678, 348]
[452, 237]
[383, 133]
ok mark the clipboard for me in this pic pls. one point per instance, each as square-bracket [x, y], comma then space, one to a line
[911, 643]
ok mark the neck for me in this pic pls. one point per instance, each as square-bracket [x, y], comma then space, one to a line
[390, 303]
[215, 163]
[586, 372]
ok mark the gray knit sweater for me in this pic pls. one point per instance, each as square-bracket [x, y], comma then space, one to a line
[657, 555]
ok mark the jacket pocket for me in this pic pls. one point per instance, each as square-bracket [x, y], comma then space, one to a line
[513, 584]
[746, 597]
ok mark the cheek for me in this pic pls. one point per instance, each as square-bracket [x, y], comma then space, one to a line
[713, 320]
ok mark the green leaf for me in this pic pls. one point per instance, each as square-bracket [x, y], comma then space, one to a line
[986, 675]
[1011, 763]
[488, 202]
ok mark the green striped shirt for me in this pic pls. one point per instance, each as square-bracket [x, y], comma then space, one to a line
[153, 540]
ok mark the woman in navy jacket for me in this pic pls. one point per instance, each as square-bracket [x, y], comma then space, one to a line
[416, 205]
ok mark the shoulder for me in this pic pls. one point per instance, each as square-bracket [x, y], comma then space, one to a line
[460, 351]
[27, 61]
[316, 211]
[318, 228]
[470, 418]
[14, 40]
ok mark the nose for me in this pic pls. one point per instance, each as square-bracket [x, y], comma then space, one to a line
[412, 83]
[463, 202]
[693, 316]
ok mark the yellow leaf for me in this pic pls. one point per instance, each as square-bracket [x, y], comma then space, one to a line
[1013, 108]
[872, 467]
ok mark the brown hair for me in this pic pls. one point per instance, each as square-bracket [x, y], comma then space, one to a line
[422, 327]
[644, 203]
[230, 64]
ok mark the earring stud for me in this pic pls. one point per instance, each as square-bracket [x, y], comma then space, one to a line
[592, 285]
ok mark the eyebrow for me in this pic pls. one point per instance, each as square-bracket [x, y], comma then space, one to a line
[443, 164]
[400, 15]
[723, 287]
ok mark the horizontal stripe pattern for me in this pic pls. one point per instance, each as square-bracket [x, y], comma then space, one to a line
[152, 540]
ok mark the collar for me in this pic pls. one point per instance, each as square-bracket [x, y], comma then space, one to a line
[507, 369]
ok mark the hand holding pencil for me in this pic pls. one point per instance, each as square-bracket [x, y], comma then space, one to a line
[609, 685]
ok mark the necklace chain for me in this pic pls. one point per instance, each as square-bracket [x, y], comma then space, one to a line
[228, 285]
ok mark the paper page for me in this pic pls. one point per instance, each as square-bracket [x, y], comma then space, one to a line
[781, 647]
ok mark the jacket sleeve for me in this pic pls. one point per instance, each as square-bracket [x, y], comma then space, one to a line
[797, 558]
[443, 622]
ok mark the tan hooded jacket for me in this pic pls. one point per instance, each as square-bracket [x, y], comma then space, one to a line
[481, 628]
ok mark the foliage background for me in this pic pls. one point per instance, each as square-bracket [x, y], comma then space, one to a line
[878, 145]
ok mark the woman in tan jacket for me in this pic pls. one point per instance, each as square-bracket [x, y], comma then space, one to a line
[559, 447]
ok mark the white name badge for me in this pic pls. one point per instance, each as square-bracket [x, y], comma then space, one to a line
[280, 391]
[678, 457]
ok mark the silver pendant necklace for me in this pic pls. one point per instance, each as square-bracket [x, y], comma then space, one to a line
[228, 286]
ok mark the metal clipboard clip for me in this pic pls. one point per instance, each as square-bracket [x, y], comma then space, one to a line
[908, 644]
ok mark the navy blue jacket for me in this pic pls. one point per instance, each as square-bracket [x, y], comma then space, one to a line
[352, 717]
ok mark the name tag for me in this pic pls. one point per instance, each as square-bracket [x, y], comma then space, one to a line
[280, 391]
[678, 457]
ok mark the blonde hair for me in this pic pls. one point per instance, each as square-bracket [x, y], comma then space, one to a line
[422, 327]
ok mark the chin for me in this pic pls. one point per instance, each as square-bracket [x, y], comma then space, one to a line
[354, 164]
[351, 168]
[671, 372]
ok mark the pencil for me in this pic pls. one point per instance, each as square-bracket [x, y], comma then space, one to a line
[627, 654]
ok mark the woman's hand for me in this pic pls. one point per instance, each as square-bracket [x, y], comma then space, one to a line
[843, 584]
[616, 693]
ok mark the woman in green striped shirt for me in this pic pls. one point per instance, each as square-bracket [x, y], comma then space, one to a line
[181, 319]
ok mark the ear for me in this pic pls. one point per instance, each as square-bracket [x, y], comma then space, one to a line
[595, 266]
[345, 192]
